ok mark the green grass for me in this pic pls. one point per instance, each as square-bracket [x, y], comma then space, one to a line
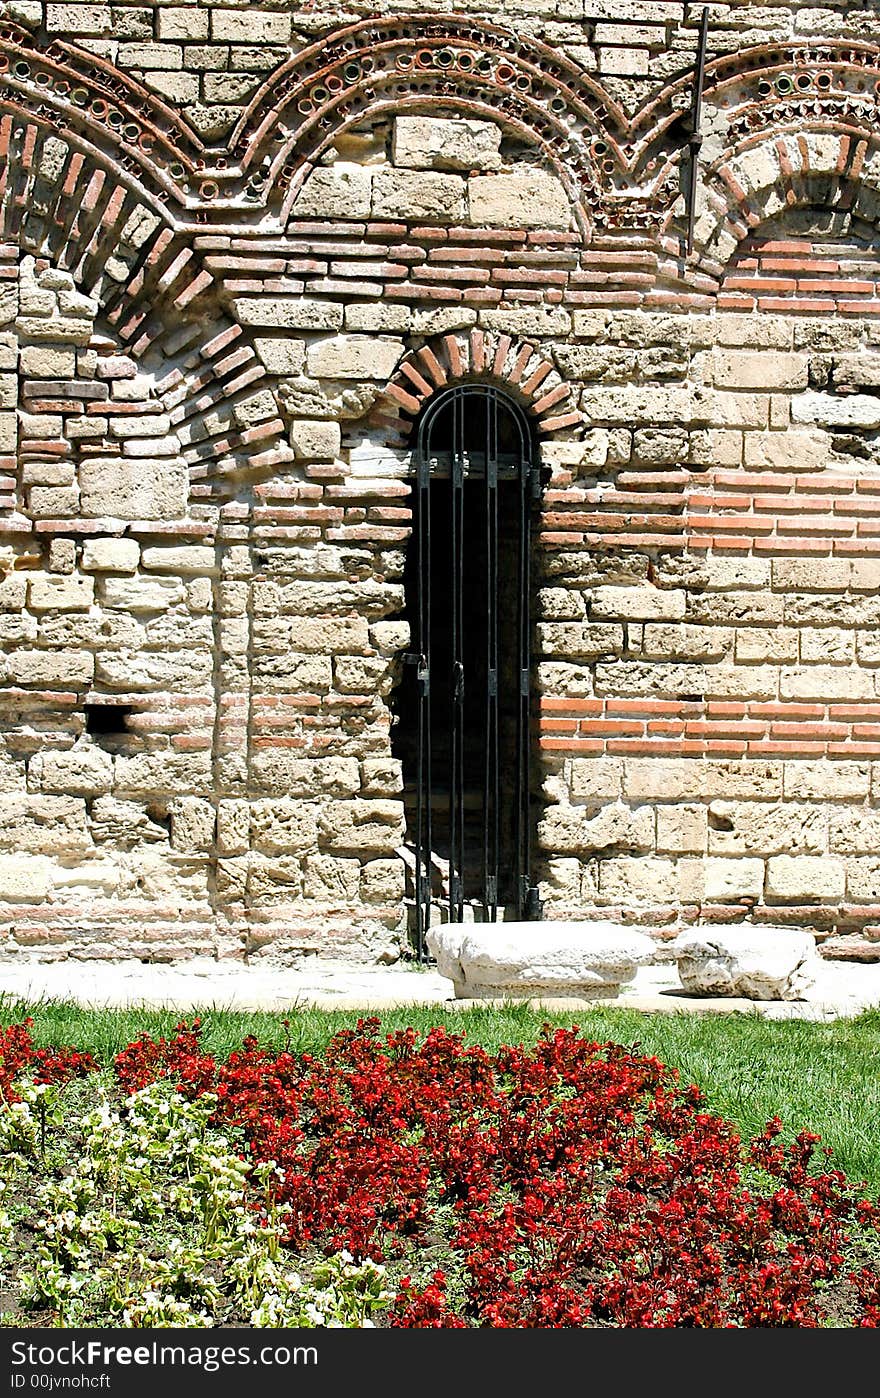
[817, 1077]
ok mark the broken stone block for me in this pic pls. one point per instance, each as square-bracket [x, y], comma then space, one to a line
[590, 960]
[755, 963]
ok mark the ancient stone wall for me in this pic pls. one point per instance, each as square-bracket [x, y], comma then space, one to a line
[241, 247]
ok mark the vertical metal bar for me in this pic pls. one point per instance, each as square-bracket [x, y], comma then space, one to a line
[423, 681]
[522, 838]
[456, 782]
[491, 802]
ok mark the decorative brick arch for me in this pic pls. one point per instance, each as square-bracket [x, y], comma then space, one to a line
[61, 202]
[521, 368]
[833, 165]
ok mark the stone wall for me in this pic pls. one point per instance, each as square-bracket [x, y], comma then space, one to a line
[241, 247]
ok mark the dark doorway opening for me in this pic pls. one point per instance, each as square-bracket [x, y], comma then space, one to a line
[462, 708]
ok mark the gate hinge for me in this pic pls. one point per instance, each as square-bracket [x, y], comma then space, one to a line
[535, 482]
[524, 683]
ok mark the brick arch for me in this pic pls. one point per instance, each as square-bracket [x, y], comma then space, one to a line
[63, 204]
[833, 165]
[521, 368]
[376, 66]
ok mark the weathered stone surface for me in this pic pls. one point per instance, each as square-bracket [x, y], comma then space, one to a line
[418, 195]
[134, 489]
[446, 143]
[756, 963]
[354, 357]
[528, 199]
[520, 959]
[341, 190]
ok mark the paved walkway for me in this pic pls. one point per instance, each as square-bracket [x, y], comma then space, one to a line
[845, 988]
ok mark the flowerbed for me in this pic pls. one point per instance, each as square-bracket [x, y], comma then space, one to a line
[411, 1183]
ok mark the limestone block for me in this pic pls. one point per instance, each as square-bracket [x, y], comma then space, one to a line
[757, 827]
[631, 881]
[124, 488]
[753, 369]
[184, 558]
[568, 829]
[282, 771]
[383, 881]
[853, 410]
[826, 781]
[681, 829]
[124, 824]
[446, 143]
[333, 635]
[13, 590]
[757, 963]
[146, 670]
[640, 603]
[233, 826]
[193, 823]
[596, 779]
[788, 451]
[48, 361]
[179, 22]
[382, 776]
[43, 824]
[354, 357]
[288, 312]
[418, 195]
[315, 441]
[804, 878]
[283, 825]
[8, 432]
[62, 667]
[363, 675]
[157, 773]
[142, 594]
[60, 593]
[24, 878]
[529, 320]
[529, 198]
[579, 639]
[863, 880]
[376, 316]
[281, 355]
[341, 190]
[732, 879]
[375, 825]
[249, 26]
[331, 880]
[519, 959]
[81, 771]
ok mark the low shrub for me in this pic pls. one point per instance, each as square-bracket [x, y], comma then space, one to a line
[421, 1182]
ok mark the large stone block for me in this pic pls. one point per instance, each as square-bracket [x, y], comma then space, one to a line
[288, 312]
[446, 143]
[354, 357]
[127, 488]
[590, 960]
[805, 878]
[44, 824]
[413, 194]
[728, 880]
[80, 771]
[24, 878]
[342, 190]
[527, 199]
[757, 963]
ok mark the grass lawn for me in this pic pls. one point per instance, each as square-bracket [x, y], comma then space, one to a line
[817, 1077]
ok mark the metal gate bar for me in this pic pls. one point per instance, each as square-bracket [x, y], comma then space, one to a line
[460, 441]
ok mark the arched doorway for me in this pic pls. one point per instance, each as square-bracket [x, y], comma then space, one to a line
[462, 710]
